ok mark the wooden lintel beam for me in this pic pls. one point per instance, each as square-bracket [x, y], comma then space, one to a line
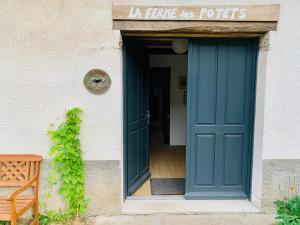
[180, 28]
[186, 35]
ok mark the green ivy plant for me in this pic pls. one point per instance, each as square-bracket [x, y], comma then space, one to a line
[288, 211]
[4, 223]
[288, 208]
[67, 170]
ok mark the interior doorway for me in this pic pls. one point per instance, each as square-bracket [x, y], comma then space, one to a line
[197, 141]
[159, 104]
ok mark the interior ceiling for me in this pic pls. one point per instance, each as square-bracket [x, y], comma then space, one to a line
[157, 45]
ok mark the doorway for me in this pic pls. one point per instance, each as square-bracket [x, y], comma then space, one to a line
[217, 149]
[159, 104]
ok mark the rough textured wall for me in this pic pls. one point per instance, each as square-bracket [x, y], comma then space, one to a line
[102, 187]
[282, 105]
[279, 176]
[46, 48]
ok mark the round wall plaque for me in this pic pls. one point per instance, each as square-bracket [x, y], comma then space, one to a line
[97, 81]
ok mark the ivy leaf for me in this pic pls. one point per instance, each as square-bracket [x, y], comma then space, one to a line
[67, 165]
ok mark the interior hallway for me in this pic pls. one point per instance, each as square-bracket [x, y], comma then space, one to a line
[165, 162]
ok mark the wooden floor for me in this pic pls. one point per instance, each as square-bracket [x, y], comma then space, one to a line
[165, 162]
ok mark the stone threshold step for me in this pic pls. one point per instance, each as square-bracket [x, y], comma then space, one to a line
[202, 219]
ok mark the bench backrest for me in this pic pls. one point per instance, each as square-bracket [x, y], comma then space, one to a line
[17, 170]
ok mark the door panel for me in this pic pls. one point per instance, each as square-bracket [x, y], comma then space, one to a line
[205, 159]
[206, 82]
[235, 87]
[233, 159]
[221, 78]
[133, 157]
[137, 123]
[144, 150]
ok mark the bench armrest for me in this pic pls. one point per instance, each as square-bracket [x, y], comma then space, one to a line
[14, 194]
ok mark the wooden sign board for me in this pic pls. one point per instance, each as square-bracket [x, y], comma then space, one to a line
[245, 13]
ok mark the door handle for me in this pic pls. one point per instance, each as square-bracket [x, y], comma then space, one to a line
[148, 116]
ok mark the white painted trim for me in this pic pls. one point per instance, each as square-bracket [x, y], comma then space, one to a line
[257, 146]
[175, 206]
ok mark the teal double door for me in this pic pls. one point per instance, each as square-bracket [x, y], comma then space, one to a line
[220, 115]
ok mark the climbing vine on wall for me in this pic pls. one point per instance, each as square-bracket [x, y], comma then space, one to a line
[67, 167]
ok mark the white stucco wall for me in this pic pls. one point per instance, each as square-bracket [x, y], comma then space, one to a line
[282, 103]
[46, 47]
[178, 65]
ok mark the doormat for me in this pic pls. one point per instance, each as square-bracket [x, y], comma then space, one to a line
[167, 186]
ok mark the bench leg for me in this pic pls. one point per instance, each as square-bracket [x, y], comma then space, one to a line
[36, 213]
[34, 222]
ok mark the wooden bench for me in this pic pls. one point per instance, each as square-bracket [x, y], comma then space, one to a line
[21, 172]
